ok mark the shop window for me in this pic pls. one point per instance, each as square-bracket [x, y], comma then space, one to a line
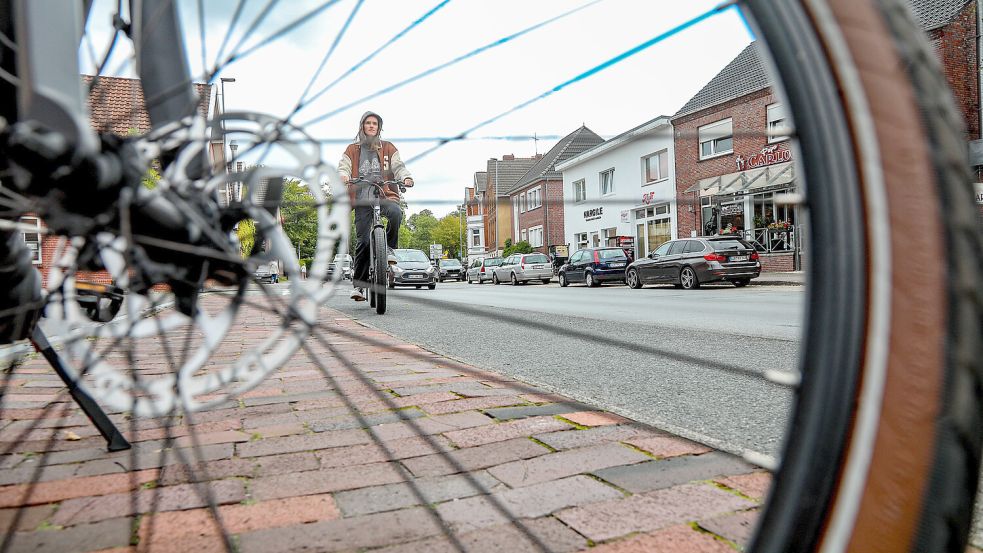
[581, 240]
[610, 237]
[777, 120]
[716, 138]
[656, 166]
[580, 191]
[607, 182]
[33, 238]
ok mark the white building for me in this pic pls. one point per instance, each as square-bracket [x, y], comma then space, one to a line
[622, 192]
[476, 218]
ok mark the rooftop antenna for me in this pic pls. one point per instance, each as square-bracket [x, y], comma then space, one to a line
[535, 141]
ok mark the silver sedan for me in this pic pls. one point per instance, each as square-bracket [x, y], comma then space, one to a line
[521, 268]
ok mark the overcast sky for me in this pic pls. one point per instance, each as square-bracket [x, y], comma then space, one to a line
[655, 81]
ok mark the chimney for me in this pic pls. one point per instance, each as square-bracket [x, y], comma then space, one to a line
[508, 157]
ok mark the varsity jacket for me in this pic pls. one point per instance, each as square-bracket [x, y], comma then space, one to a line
[392, 168]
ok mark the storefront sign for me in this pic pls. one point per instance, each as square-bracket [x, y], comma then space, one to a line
[625, 216]
[769, 155]
[626, 241]
[648, 197]
[979, 192]
[732, 209]
[593, 214]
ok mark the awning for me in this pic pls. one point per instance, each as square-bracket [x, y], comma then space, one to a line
[747, 182]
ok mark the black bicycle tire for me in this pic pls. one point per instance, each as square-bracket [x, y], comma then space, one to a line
[380, 264]
[804, 489]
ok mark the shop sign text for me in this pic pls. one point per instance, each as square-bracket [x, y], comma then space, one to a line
[592, 214]
[769, 155]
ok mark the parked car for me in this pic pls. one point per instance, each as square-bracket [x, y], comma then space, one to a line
[265, 273]
[689, 262]
[345, 262]
[481, 269]
[412, 268]
[450, 269]
[521, 268]
[593, 266]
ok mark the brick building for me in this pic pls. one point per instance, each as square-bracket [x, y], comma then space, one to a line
[536, 199]
[116, 106]
[500, 176]
[729, 168]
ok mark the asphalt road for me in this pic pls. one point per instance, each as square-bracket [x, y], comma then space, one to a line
[685, 361]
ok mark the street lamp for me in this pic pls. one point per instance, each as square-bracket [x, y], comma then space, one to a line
[222, 84]
[237, 186]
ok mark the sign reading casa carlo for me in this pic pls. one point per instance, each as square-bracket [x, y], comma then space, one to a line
[769, 155]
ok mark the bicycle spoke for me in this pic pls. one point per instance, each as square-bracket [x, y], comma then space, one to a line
[228, 32]
[455, 61]
[327, 56]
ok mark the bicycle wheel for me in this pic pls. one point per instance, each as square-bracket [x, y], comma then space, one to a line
[878, 424]
[381, 265]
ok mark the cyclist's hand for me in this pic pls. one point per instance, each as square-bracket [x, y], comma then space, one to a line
[408, 182]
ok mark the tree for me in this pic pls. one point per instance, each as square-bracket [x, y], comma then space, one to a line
[246, 232]
[298, 211]
[421, 225]
[518, 247]
[448, 234]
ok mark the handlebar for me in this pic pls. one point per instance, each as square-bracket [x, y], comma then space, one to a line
[360, 180]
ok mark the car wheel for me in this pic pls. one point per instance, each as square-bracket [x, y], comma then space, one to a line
[432, 286]
[742, 282]
[441, 279]
[419, 286]
[546, 281]
[494, 278]
[590, 280]
[687, 279]
[633, 280]
[515, 281]
[563, 280]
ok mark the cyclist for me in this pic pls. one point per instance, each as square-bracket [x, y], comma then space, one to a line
[374, 160]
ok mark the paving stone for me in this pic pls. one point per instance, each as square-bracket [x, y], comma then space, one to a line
[28, 473]
[668, 446]
[155, 459]
[528, 502]
[59, 490]
[407, 494]
[431, 425]
[167, 498]
[524, 536]
[655, 475]
[213, 470]
[681, 538]
[474, 458]
[474, 389]
[651, 511]
[505, 431]
[569, 439]
[511, 413]
[738, 527]
[159, 529]
[306, 442]
[375, 530]
[84, 537]
[754, 485]
[471, 403]
[252, 402]
[565, 463]
[388, 450]
[595, 418]
[325, 481]
[367, 420]
[27, 518]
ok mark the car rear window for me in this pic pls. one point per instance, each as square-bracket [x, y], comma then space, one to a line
[536, 258]
[611, 254]
[729, 244]
[493, 262]
[450, 263]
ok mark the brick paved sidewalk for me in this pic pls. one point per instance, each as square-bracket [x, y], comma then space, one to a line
[396, 448]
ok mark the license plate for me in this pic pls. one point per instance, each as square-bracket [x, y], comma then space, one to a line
[616, 264]
[537, 266]
[739, 258]
[414, 276]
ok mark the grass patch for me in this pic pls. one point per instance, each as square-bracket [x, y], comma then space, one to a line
[255, 436]
[623, 491]
[149, 485]
[546, 445]
[730, 490]
[642, 451]
[46, 526]
[696, 526]
[575, 425]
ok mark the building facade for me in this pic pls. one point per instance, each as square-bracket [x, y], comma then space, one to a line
[475, 238]
[500, 176]
[537, 198]
[621, 192]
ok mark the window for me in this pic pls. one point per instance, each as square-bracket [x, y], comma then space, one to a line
[535, 198]
[580, 239]
[475, 237]
[607, 182]
[777, 120]
[524, 239]
[522, 203]
[33, 238]
[579, 191]
[536, 258]
[610, 237]
[716, 139]
[677, 247]
[656, 167]
[694, 246]
[663, 249]
[536, 237]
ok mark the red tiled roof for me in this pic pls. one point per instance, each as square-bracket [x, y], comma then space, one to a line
[117, 105]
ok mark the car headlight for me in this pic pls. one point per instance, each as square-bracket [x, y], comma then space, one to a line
[397, 269]
[429, 270]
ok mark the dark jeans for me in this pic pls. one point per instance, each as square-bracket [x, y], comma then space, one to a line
[363, 228]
